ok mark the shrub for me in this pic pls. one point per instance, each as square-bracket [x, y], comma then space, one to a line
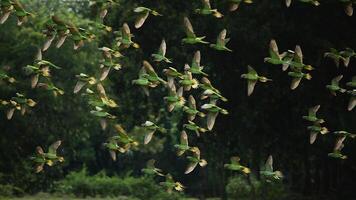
[8, 190]
[239, 188]
[81, 184]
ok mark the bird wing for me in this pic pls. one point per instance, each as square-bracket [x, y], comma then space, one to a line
[163, 48]
[184, 138]
[221, 38]
[126, 33]
[250, 86]
[192, 103]
[148, 136]
[269, 163]
[211, 117]
[335, 81]
[314, 110]
[140, 20]
[149, 69]
[235, 160]
[151, 164]
[53, 148]
[206, 4]
[191, 167]
[188, 28]
[298, 56]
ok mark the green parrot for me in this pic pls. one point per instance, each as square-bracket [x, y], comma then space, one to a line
[183, 146]
[236, 166]
[194, 160]
[78, 35]
[161, 54]
[171, 74]
[19, 102]
[191, 37]
[213, 111]
[39, 68]
[5, 77]
[196, 68]
[143, 15]
[83, 79]
[124, 38]
[334, 87]
[235, 4]
[207, 10]
[311, 117]
[297, 78]
[152, 75]
[102, 115]
[191, 109]
[151, 170]
[20, 12]
[188, 82]
[315, 129]
[175, 98]
[268, 173]
[347, 54]
[169, 184]
[210, 91]
[336, 56]
[144, 82]
[151, 128]
[296, 63]
[107, 63]
[103, 6]
[252, 78]
[345, 134]
[194, 127]
[9, 6]
[349, 10]
[339, 145]
[51, 87]
[221, 42]
[50, 158]
[275, 57]
[120, 143]
[61, 29]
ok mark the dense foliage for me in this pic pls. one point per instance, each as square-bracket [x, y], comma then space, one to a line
[269, 122]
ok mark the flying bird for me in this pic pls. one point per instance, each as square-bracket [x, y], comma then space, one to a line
[252, 78]
[161, 54]
[191, 37]
[143, 12]
[207, 10]
[50, 158]
[195, 160]
[236, 166]
[269, 173]
[221, 42]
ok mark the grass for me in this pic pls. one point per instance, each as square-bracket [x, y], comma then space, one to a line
[45, 196]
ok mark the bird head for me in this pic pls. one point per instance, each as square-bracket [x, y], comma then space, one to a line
[246, 170]
[324, 130]
[309, 67]
[244, 76]
[308, 76]
[264, 79]
[61, 159]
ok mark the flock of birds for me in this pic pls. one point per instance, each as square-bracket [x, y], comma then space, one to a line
[177, 83]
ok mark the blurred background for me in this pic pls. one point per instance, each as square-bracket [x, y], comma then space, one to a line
[267, 123]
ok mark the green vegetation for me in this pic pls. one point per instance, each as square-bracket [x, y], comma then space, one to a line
[143, 99]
